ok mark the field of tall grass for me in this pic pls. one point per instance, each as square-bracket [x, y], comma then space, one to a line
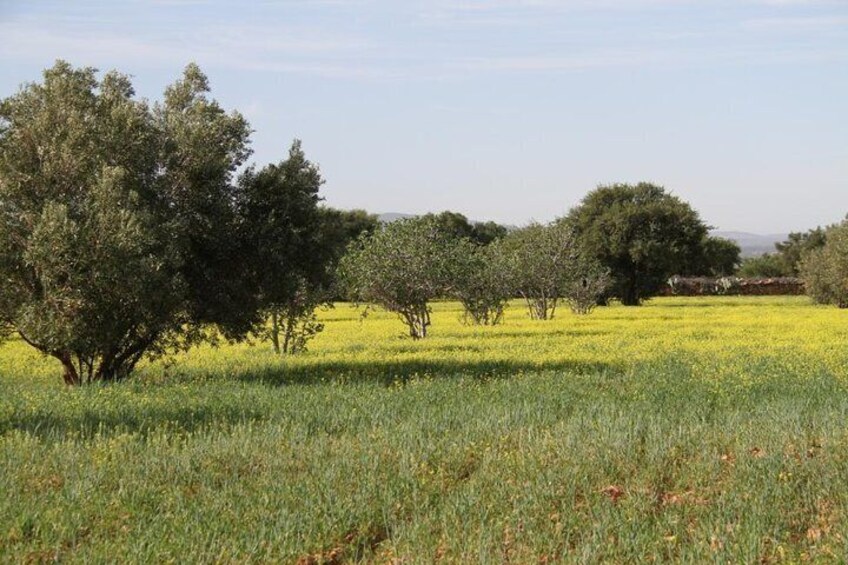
[690, 429]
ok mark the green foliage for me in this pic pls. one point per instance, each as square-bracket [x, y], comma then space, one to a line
[767, 265]
[339, 228]
[480, 282]
[796, 246]
[116, 219]
[456, 224]
[825, 268]
[544, 264]
[786, 260]
[719, 257]
[585, 290]
[290, 256]
[402, 267]
[485, 233]
[640, 233]
[295, 322]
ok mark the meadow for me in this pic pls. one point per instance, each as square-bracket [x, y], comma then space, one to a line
[687, 430]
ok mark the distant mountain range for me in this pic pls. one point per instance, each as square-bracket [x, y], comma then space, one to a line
[752, 244]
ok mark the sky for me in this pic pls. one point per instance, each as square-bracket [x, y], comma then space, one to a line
[505, 110]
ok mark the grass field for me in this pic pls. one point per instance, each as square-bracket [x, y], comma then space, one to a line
[689, 429]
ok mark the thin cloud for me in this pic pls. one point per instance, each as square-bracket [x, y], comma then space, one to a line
[798, 23]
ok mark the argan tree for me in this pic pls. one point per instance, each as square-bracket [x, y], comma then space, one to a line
[480, 281]
[797, 244]
[545, 264]
[589, 283]
[117, 220]
[641, 234]
[825, 268]
[401, 267]
[718, 257]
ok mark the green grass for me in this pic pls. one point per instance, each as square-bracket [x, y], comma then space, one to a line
[688, 430]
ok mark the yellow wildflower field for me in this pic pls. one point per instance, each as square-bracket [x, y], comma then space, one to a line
[686, 430]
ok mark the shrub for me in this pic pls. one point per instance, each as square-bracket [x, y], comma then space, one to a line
[825, 269]
[480, 282]
[401, 267]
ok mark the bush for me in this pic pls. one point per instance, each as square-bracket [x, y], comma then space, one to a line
[767, 265]
[584, 292]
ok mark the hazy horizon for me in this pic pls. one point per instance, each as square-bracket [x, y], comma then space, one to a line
[507, 110]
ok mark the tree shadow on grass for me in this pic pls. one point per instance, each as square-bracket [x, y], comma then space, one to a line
[181, 405]
[388, 372]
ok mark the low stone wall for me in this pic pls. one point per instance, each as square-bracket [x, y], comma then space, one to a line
[733, 286]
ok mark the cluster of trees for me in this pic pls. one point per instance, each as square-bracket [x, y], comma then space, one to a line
[818, 256]
[407, 264]
[621, 242]
[127, 231]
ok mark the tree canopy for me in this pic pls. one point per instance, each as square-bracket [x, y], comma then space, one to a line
[825, 268]
[641, 234]
[401, 267]
[459, 227]
[117, 219]
[719, 257]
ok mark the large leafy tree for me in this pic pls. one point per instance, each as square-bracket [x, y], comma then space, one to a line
[402, 267]
[117, 219]
[641, 233]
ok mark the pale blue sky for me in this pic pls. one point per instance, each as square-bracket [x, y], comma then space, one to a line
[507, 110]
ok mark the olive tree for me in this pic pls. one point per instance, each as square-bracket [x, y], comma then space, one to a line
[117, 220]
[401, 267]
[825, 268]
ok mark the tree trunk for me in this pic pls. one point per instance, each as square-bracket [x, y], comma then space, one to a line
[630, 292]
[288, 340]
[275, 332]
[69, 372]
